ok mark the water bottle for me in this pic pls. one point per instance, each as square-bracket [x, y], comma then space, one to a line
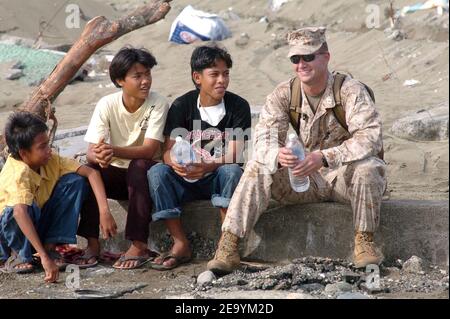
[183, 154]
[298, 184]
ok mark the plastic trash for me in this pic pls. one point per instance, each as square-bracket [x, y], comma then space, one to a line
[440, 5]
[411, 82]
[275, 5]
[194, 25]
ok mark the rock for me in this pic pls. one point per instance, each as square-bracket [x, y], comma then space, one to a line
[413, 265]
[425, 125]
[206, 277]
[18, 65]
[14, 74]
[351, 277]
[395, 34]
[269, 284]
[243, 40]
[352, 295]
[338, 287]
[371, 289]
[312, 287]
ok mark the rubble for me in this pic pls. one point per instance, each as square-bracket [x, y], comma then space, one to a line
[414, 265]
[328, 278]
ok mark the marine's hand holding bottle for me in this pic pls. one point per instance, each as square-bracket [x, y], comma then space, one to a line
[298, 183]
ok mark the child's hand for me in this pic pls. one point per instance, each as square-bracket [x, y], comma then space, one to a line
[107, 225]
[196, 170]
[51, 270]
[179, 169]
[103, 153]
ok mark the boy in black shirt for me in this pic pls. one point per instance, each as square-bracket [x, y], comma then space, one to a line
[216, 123]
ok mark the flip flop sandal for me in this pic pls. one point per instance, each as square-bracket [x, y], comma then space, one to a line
[179, 260]
[55, 256]
[12, 262]
[141, 260]
[85, 257]
[109, 257]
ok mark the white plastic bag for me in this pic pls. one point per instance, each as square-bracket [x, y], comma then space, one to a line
[275, 5]
[194, 25]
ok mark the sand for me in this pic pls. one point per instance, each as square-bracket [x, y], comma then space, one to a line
[416, 170]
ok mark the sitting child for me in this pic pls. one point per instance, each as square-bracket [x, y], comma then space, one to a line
[214, 121]
[124, 135]
[40, 198]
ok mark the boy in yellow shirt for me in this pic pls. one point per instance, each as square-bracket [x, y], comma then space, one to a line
[40, 198]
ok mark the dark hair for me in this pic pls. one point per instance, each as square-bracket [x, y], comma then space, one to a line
[21, 130]
[206, 56]
[125, 59]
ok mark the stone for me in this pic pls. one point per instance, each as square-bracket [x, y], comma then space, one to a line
[371, 289]
[425, 125]
[413, 265]
[338, 287]
[312, 287]
[205, 278]
[243, 40]
[352, 295]
[14, 74]
[351, 277]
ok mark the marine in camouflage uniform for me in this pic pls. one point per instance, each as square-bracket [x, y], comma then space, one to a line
[354, 174]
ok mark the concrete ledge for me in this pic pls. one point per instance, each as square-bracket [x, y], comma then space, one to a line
[407, 228]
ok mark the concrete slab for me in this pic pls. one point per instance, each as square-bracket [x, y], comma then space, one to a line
[407, 228]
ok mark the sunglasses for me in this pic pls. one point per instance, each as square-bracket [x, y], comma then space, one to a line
[295, 59]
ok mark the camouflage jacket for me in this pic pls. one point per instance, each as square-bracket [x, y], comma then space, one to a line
[320, 130]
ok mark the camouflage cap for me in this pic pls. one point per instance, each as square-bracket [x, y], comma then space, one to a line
[306, 40]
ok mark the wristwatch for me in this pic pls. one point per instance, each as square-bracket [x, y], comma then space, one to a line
[324, 160]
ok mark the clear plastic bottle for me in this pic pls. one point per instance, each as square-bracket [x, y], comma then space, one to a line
[298, 184]
[183, 154]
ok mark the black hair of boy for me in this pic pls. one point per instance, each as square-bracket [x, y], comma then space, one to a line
[21, 130]
[205, 57]
[125, 59]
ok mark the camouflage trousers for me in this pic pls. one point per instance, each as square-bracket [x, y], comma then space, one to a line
[360, 184]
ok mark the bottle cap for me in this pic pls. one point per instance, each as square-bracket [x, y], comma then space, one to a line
[178, 138]
[292, 136]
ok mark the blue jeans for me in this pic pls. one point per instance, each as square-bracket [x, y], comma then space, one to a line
[169, 191]
[56, 223]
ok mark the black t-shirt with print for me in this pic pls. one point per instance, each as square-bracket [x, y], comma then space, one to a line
[210, 141]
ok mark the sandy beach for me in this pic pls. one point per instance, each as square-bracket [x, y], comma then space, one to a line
[416, 169]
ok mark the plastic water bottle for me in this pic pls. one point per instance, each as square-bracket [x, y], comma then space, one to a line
[298, 184]
[183, 154]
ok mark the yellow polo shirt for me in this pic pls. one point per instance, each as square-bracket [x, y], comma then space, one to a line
[19, 184]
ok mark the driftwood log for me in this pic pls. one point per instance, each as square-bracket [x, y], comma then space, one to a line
[98, 32]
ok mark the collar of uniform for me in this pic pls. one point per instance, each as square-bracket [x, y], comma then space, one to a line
[326, 102]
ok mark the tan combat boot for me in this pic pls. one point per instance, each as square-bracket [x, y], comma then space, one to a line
[226, 258]
[365, 252]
